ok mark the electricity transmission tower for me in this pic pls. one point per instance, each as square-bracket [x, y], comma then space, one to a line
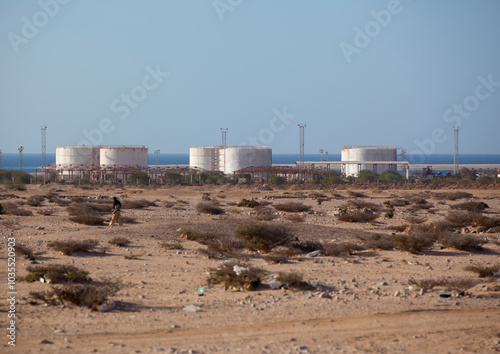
[224, 133]
[301, 144]
[21, 158]
[455, 148]
[44, 145]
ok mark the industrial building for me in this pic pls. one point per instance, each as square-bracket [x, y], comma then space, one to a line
[229, 159]
[373, 158]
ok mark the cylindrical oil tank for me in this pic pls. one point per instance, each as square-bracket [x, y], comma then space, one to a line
[73, 157]
[123, 156]
[369, 154]
[234, 158]
[204, 157]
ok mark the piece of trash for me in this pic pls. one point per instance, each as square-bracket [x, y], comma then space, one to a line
[192, 308]
[445, 295]
[313, 253]
[201, 290]
[238, 270]
[231, 261]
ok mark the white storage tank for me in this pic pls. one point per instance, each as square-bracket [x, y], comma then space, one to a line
[234, 158]
[123, 156]
[369, 154]
[204, 157]
[73, 157]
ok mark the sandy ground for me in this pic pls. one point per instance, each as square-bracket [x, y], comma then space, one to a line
[369, 308]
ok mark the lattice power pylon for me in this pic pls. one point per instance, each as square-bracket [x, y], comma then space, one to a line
[301, 144]
[224, 135]
[455, 148]
[44, 145]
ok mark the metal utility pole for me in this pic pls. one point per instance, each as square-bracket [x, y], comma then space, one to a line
[156, 153]
[455, 148]
[21, 158]
[301, 144]
[321, 152]
[44, 145]
[326, 153]
[224, 133]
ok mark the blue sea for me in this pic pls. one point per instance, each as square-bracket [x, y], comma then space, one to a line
[32, 161]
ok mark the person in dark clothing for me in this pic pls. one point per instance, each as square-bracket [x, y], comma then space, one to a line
[116, 212]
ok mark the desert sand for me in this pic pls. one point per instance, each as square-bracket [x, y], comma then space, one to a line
[361, 302]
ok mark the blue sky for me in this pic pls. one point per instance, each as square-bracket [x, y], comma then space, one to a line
[170, 74]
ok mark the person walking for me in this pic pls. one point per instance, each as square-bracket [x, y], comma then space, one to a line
[116, 212]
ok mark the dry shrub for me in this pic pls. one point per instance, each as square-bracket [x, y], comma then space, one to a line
[82, 295]
[359, 216]
[399, 202]
[438, 228]
[252, 203]
[470, 206]
[362, 204]
[398, 228]
[79, 200]
[13, 209]
[168, 204]
[261, 236]
[46, 212]
[295, 218]
[415, 220]
[418, 207]
[60, 201]
[70, 246]
[291, 207]
[307, 246]
[376, 241]
[452, 195]
[462, 242]
[277, 258]
[338, 249]
[415, 199]
[24, 251]
[137, 204]
[242, 278]
[172, 245]
[35, 200]
[293, 280]
[414, 242]
[353, 194]
[471, 218]
[264, 214]
[57, 273]
[127, 219]
[483, 270]
[209, 208]
[86, 213]
[120, 241]
[316, 195]
[224, 246]
[451, 284]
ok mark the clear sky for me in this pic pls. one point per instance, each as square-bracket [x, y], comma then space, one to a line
[169, 74]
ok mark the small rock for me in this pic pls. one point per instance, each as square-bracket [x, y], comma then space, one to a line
[46, 341]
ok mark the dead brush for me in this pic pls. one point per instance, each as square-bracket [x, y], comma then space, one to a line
[86, 213]
[276, 258]
[81, 295]
[354, 194]
[359, 216]
[398, 228]
[252, 203]
[400, 202]
[483, 271]
[306, 246]
[337, 249]
[172, 245]
[24, 251]
[120, 241]
[462, 242]
[452, 195]
[261, 236]
[470, 206]
[414, 242]
[14, 209]
[293, 281]
[137, 204]
[209, 208]
[362, 204]
[56, 274]
[458, 285]
[376, 241]
[71, 246]
[418, 207]
[291, 207]
[35, 200]
[225, 247]
[236, 277]
[46, 212]
[465, 218]
[264, 214]
[295, 218]
[414, 219]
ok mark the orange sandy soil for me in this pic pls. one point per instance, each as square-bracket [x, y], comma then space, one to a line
[360, 315]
